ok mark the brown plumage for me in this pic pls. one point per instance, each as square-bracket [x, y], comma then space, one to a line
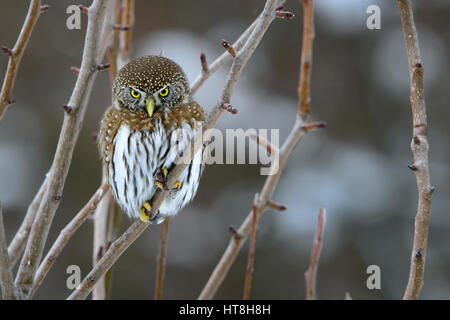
[140, 136]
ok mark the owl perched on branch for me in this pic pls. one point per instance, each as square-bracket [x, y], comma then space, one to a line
[149, 125]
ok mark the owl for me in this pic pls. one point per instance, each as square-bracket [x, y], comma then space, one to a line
[149, 125]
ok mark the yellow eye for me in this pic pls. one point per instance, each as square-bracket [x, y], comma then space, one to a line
[164, 92]
[135, 94]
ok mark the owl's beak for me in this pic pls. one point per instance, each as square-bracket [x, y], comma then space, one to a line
[150, 106]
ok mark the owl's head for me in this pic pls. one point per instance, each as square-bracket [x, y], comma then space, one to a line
[150, 83]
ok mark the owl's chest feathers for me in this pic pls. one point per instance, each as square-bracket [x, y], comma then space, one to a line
[134, 149]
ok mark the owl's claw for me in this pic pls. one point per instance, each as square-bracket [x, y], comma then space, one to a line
[161, 179]
[145, 211]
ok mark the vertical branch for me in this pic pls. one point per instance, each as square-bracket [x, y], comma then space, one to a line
[65, 235]
[125, 37]
[306, 58]
[107, 217]
[15, 55]
[311, 273]
[73, 119]
[251, 250]
[6, 279]
[161, 260]
[419, 147]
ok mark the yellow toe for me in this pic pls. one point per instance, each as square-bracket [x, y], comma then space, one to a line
[143, 215]
[165, 172]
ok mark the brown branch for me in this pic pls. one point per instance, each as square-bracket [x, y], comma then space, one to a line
[107, 218]
[251, 250]
[419, 147]
[15, 55]
[311, 273]
[297, 132]
[161, 259]
[69, 134]
[221, 60]
[65, 235]
[306, 59]
[6, 279]
[131, 234]
[264, 143]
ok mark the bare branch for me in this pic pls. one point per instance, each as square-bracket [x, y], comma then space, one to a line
[106, 217]
[65, 235]
[15, 54]
[419, 147]
[161, 260]
[251, 250]
[306, 59]
[69, 134]
[311, 273]
[119, 246]
[125, 40]
[298, 131]
[221, 60]
[6, 279]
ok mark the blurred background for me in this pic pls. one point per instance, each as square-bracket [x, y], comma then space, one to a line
[356, 168]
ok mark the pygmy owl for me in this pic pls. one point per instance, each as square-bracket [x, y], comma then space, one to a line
[150, 124]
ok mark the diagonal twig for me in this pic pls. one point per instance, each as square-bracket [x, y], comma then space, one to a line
[69, 134]
[251, 250]
[419, 148]
[311, 273]
[19, 241]
[6, 279]
[119, 246]
[15, 55]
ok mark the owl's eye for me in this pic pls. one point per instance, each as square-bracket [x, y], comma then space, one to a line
[135, 94]
[164, 92]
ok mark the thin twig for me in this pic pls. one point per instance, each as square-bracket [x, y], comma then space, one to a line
[311, 273]
[419, 147]
[234, 246]
[19, 241]
[251, 250]
[161, 260]
[107, 218]
[119, 246]
[15, 55]
[6, 278]
[65, 235]
[69, 134]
